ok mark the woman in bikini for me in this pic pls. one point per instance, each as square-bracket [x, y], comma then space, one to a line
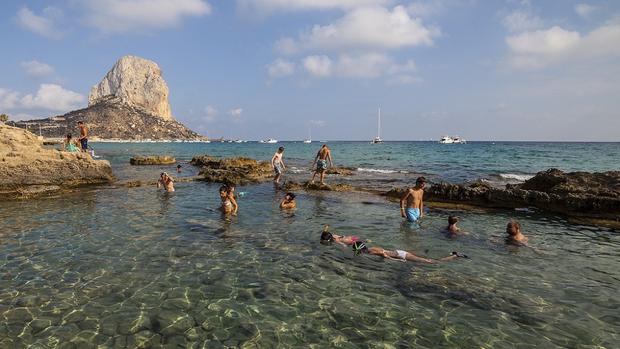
[360, 247]
[227, 195]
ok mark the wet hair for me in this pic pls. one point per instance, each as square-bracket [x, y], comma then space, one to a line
[453, 220]
[515, 224]
[68, 135]
[281, 149]
[179, 166]
[80, 122]
[359, 247]
[326, 237]
[420, 180]
[290, 195]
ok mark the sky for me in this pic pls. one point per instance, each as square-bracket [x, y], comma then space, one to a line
[256, 69]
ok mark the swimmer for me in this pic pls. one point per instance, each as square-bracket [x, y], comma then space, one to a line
[514, 234]
[414, 208]
[166, 181]
[179, 168]
[327, 237]
[288, 202]
[452, 229]
[227, 195]
[359, 247]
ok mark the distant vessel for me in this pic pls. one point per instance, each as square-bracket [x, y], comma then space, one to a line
[452, 140]
[309, 140]
[378, 139]
[270, 140]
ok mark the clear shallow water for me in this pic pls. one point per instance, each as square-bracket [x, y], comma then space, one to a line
[123, 266]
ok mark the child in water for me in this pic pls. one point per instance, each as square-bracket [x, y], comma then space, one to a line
[452, 230]
[514, 234]
[288, 202]
[360, 247]
[327, 237]
[227, 196]
[166, 181]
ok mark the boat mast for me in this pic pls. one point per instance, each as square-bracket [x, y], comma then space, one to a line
[379, 124]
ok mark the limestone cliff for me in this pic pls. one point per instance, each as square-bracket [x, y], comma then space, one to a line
[137, 82]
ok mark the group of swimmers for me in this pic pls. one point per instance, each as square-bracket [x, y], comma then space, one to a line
[411, 208]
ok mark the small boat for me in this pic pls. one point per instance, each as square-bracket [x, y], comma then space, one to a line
[309, 139]
[271, 141]
[452, 140]
[238, 141]
[378, 139]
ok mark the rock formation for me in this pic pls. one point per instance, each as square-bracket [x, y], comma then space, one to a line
[137, 82]
[233, 170]
[153, 160]
[26, 168]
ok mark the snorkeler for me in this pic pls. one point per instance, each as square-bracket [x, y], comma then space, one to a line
[227, 195]
[452, 229]
[327, 237]
[288, 202]
[166, 181]
[360, 247]
[514, 234]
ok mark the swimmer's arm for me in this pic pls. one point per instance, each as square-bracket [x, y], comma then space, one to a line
[402, 203]
[273, 161]
[234, 203]
[422, 205]
[329, 156]
[159, 184]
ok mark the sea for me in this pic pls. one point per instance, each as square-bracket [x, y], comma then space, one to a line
[114, 266]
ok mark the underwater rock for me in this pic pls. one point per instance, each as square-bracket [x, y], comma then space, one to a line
[152, 160]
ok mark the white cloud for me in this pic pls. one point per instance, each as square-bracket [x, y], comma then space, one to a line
[539, 48]
[405, 79]
[522, 20]
[280, 68]
[318, 65]
[269, 6]
[363, 28]
[43, 25]
[425, 8]
[119, 16]
[235, 112]
[585, 10]
[53, 97]
[8, 99]
[37, 69]
[210, 113]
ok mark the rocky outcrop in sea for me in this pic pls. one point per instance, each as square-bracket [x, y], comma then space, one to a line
[28, 169]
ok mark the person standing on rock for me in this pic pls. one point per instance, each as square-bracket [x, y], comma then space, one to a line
[83, 135]
[411, 204]
[320, 161]
[277, 163]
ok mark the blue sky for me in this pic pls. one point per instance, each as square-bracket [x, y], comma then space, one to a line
[252, 69]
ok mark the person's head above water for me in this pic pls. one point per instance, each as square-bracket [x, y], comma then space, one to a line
[359, 247]
[326, 236]
[289, 196]
[420, 182]
[281, 150]
[179, 166]
[452, 220]
[513, 228]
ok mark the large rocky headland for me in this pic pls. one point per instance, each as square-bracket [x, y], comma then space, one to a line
[131, 102]
[28, 169]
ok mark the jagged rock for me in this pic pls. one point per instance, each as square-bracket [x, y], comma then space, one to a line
[152, 160]
[233, 170]
[293, 186]
[137, 82]
[28, 169]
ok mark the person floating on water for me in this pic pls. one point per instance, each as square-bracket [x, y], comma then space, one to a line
[327, 238]
[179, 168]
[320, 161]
[229, 203]
[360, 247]
[69, 145]
[414, 210]
[166, 181]
[288, 202]
[277, 163]
[83, 136]
[514, 234]
[452, 230]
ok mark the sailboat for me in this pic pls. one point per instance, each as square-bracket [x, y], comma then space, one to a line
[309, 140]
[378, 139]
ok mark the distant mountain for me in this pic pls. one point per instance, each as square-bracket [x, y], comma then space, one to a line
[131, 102]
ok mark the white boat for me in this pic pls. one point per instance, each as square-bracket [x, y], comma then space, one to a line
[378, 139]
[309, 139]
[238, 141]
[452, 140]
[271, 141]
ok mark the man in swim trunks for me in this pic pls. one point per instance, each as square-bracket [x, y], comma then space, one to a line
[320, 161]
[83, 135]
[277, 163]
[166, 181]
[414, 208]
[359, 247]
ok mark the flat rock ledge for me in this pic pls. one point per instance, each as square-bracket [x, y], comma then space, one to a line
[152, 160]
[592, 198]
[239, 171]
[28, 170]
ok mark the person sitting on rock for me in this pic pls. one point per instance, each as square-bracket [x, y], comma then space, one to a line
[359, 247]
[288, 202]
[70, 145]
[165, 181]
[229, 203]
[514, 234]
[327, 238]
[452, 230]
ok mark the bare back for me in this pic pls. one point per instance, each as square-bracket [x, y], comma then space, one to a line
[414, 197]
[323, 153]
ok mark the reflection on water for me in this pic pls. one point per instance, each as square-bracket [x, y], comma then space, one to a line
[137, 267]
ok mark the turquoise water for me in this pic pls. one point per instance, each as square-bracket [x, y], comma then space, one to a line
[117, 267]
